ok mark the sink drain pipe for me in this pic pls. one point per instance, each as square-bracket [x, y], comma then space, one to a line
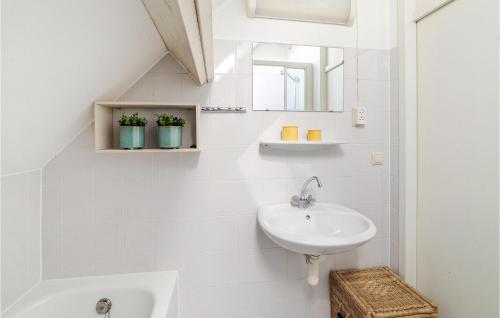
[312, 262]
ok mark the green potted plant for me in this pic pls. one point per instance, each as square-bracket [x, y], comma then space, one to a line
[132, 131]
[169, 131]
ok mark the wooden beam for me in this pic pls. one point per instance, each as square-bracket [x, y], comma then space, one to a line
[204, 10]
[186, 35]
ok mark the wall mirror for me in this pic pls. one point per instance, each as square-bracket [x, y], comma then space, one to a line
[298, 78]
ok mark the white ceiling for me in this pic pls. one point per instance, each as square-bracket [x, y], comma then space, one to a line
[58, 57]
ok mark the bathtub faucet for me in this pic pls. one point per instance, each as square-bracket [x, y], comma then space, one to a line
[103, 306]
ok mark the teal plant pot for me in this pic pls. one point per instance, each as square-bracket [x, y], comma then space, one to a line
[132, 137]
[169, 137]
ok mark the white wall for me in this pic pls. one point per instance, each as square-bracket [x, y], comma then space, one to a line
[394, 140]
[197, 213]
[458, 184]
[375, 21]
[21, 235]
[58, 57]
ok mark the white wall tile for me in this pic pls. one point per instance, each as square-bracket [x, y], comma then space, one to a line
[52, 269]
[372, 254]
[167, 87]
[109, 200]
[168, 65]
[223, 268]
[138, 200]
[321, 312]
[126, 264]
[244, 130]
[143, 89]
[109, 266]
[197, 198]
[166, 236]
[394, 94]
[263, 265]
[360, 192]
[20, 235]
[193, 93]
[196, 167]
[108, 169]
[194, 232]
[394, 171]
[137, 167]
[247, 232]
[374, 95]
[221, 234]
[350, 65]
[394, 257]
[223, 91]
[355, 160]
[52, 215]
[394, 225]
[232, 197]
[75, 268]
[296, 266]
[78, 240]
[138, 237]
[244, 97]
[224, 56]
[109, 239]
[374, 64]
[244, 52]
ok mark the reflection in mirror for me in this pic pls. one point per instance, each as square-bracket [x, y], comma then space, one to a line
[298, 78]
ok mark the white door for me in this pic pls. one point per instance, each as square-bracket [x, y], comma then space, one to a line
[458, 163]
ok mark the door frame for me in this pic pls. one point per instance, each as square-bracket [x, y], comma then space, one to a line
[409, 14]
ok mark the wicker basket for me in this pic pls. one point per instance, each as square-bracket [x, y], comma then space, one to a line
[376, 293]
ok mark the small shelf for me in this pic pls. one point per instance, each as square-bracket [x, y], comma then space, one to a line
[147, 150]
[107, 130]
[301, 145]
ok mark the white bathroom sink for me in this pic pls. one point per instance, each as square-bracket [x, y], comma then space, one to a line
[321, 229]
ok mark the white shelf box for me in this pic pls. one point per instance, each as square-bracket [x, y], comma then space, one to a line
[107, 129]
[301, 145]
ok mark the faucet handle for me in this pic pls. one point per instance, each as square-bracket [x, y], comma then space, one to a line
[309, 199]
[302, 202]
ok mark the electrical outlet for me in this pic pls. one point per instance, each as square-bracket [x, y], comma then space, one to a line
[359, 116]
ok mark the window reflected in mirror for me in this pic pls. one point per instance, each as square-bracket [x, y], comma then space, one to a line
[297, 78]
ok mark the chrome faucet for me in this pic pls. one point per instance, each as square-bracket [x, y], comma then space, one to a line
[302, 201]
[103, 307]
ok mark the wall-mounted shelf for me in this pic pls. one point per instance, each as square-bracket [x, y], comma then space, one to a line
[301, 145]
[147, 150]
[107, 130]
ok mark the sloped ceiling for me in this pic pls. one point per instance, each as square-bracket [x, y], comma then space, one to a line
[58, 57]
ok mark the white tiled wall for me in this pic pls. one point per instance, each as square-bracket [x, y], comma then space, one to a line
[394, 140]
[196, 213]
[21, 255]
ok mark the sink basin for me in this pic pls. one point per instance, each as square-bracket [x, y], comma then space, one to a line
[322, 229]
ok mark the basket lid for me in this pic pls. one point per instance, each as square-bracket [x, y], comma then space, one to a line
[381, 293]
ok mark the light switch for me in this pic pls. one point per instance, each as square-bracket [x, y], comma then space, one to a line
[377, 158]
[359, 116]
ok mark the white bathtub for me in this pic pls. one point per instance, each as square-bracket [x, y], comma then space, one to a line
[145, 295]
